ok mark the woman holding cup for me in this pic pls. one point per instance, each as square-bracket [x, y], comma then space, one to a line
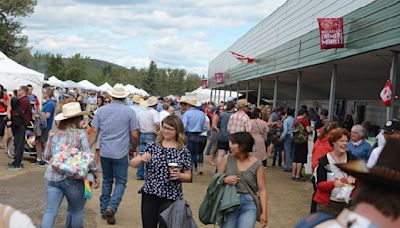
[168, 164]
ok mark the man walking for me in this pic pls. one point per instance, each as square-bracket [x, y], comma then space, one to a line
[20, 118]
[194, 123]
[117, 126]
[240, 121]
[149, 125]
[48, 115]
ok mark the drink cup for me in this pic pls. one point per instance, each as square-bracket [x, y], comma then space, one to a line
[172, 166]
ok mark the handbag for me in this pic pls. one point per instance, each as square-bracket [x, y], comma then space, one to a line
[71, 161]
[256, 196]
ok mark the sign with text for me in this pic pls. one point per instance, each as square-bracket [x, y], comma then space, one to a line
[331, 32]
[219, 77]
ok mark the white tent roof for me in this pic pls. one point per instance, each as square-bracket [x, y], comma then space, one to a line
[71, 84]
[105, 87]
[203, 95]
[131, 89]
[54, 81]
[88, 85]
[13, 75]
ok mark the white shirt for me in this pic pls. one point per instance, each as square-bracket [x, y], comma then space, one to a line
[147, 120]
[208, 126]
[373, 158]
[162, 115]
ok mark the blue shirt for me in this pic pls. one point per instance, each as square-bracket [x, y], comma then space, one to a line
[194, 121]
[49, 106]
[159, 107]
[362, 152]
[115, 122]
[287, 127]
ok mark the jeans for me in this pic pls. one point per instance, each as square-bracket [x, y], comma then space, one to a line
[114, 171]
[202, 146]
[244, 216]
[55, 191]
[288, 148]
[277, 153]
[144, 139]
[193, 145]
[19, 142]
[213, 138]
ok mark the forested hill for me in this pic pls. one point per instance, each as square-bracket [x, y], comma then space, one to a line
[156, 81]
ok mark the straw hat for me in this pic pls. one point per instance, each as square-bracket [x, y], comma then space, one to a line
[385, 172]
[191, 101]
[136, 98]
[70, 110]
[118, 91]
[242, 103]
[151, 101]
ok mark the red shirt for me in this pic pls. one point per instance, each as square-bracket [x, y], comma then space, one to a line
[321, 147]
[25, 107]
[2, 107]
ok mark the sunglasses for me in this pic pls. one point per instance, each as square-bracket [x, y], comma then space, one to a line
[107, 101]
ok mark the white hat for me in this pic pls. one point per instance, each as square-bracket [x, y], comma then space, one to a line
[70, 110]
[190, 100]
[118, 91]
[151, 101]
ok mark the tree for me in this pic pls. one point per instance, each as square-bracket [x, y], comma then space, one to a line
[192, 82]
[55, 66]
[76, 68]
[11, 40]
[149, 82]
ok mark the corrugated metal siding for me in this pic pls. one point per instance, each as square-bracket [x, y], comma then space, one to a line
[371, 27]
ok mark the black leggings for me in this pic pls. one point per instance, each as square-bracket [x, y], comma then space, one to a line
[152, 206]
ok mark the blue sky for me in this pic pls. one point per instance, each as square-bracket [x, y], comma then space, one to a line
[185, 34]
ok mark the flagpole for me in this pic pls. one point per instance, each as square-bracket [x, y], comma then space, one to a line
[393, 73]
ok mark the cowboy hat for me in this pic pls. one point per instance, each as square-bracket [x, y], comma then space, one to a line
[385, 172]
[70, 110]
[151, 101]
[190, 101]
[118, 91]
[136, 98]
[242, 103]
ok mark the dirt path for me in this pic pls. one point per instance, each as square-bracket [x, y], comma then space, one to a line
[288, 201]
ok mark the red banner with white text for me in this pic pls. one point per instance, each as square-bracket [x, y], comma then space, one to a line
[331, 33]
[219, 77]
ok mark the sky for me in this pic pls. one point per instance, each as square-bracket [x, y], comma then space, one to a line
[175, 34]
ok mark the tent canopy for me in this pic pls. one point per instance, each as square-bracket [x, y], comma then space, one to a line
[85, 84]
[105, 87]
[71, 84]
[54, 81]
[13, 75]
[203, 95]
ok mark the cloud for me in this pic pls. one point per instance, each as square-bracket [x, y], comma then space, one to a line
[133, 32]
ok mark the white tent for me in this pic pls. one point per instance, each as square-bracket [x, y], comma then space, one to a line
[203, 95]
[54, 81]
[131, 89]
[13, 75]
[71, 84]
[88, 85]
[105, 87]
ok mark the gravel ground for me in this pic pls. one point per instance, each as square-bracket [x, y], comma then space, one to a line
[288, 201]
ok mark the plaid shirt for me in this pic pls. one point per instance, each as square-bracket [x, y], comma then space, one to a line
[77, 138]
[239, 122]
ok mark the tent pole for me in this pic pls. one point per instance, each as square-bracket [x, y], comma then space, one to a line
[299, 77]
[332, 92]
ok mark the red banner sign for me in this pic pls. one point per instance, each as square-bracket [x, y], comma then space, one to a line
[204, 83]
[219, 77]
[331, 32]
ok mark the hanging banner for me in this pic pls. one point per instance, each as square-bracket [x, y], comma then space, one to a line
[331, 33]
[219, 77]
[204, 83]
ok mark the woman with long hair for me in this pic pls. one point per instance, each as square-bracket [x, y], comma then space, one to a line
[245, 172]
[168, 164]
[59, 184]
[259, 130]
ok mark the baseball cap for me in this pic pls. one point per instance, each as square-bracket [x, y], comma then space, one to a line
[70, 95]
[392, 126]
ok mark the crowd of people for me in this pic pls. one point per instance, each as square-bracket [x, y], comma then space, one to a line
[166, 139]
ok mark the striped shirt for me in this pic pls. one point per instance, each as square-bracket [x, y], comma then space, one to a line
[77, 138]
[239, 122]
[115, 122]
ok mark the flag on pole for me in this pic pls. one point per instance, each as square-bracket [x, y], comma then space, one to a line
[242, 58]
[386, 94]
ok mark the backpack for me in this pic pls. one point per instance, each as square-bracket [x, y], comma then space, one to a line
[300, 134]
[313, 219]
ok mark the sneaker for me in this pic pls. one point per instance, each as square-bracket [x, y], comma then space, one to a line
[110, 216]
[41, 162]
[201, 173]
[294, 178]
[11, 164]
[300, 179]
[103, 216]
[14, 167]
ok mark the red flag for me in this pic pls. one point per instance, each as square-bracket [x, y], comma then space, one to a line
[242, 58]
[386, 94]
